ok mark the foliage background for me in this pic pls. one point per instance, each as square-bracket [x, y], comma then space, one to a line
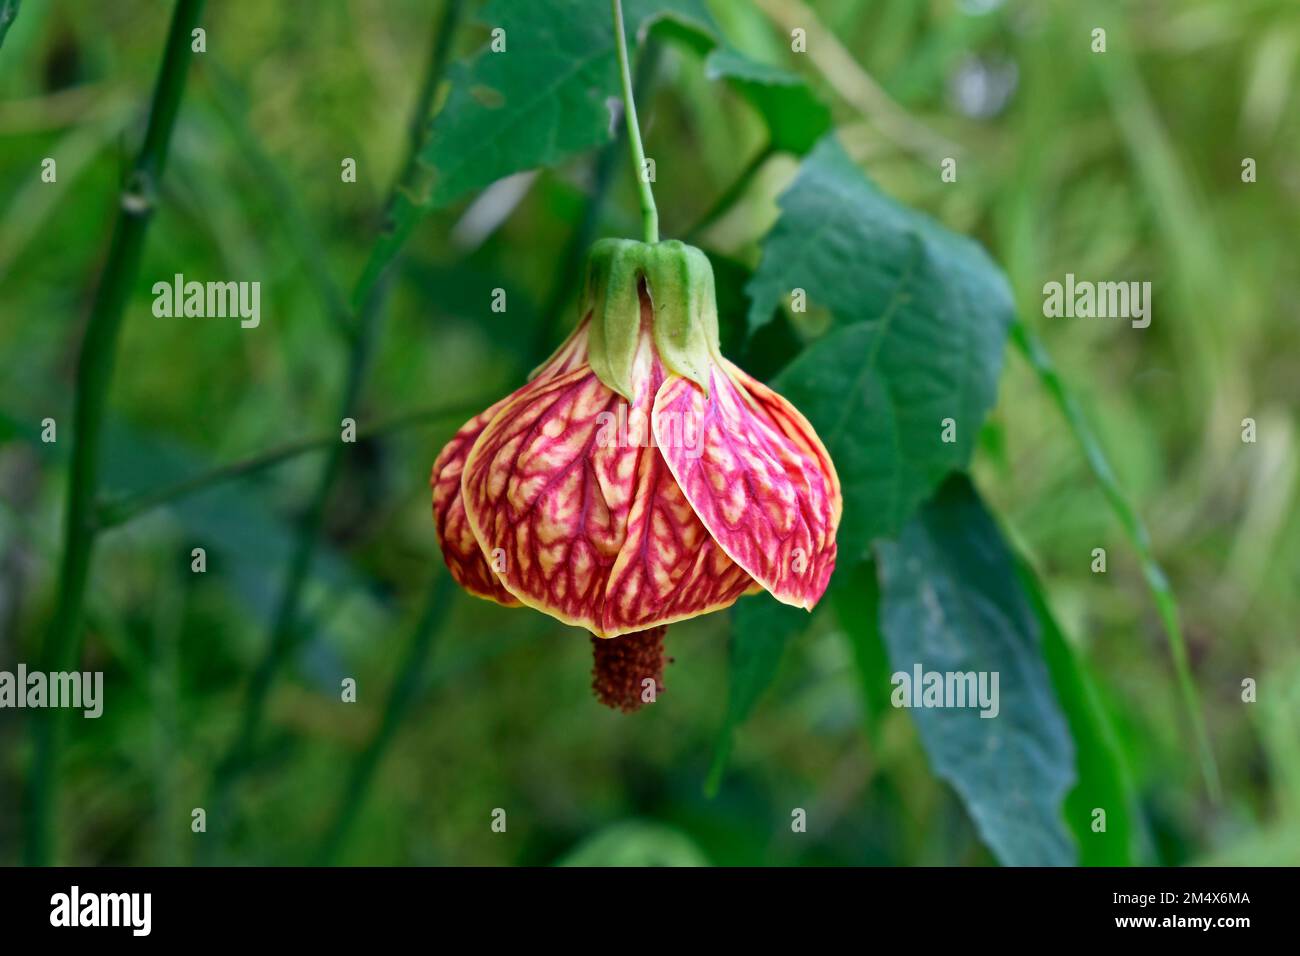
[1118, 166]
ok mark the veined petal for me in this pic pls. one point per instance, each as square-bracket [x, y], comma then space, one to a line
[567, 483]
[757, 477]
[669, 568]
[571, 353]
[466, 561]
[789, 421]
[539, 486]
[460, 549]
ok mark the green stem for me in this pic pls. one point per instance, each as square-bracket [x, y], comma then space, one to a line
[129, 507]
[94, 375]
[568, 275]
[405, 685]
[649, 214]
[368, 297]
[1166, 606]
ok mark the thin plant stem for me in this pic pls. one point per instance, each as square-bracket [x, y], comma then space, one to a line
[1034, 352]
[568, 274]
[368, 298]
[129, 507]
[406, 683]
[94, 375]
[649, 214]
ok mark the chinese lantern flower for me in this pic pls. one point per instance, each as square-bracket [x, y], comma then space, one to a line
[639, 478]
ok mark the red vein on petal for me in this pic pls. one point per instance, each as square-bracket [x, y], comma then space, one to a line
[783, 533]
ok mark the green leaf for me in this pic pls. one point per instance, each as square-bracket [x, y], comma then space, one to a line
[1104, 781]
[951, 604]
[761, 627]
[636, 843]
[796, 119]
[921, 317]
[8, 13]
[542, 100]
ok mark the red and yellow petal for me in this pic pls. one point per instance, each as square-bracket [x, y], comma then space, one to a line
[789, 421]
[539, 487]
[469, 567]
[460, 549]
[570, 355]
[566, 483]
[757, 477]
[669, 568]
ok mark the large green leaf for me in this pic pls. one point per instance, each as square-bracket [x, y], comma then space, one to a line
[951, 603]
[795, 118]
[921, 317]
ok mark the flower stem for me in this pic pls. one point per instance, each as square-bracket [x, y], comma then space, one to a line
[649, 214]
[1035, 353]
[575, 252]
[94, 374]
[127, 508]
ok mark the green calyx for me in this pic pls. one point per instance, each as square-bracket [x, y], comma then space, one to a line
[679, 281]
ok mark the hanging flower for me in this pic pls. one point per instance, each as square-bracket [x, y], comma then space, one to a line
[639, 478]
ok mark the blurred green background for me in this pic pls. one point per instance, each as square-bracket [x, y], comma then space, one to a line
[1122, 166]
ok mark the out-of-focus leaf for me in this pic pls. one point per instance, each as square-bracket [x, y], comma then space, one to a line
[8, 13]
[548, 96]
[541, 100]
[921, 320]
[795, 118]
[951, 604]
[636, 843]
[761, 627]
[1104, 781]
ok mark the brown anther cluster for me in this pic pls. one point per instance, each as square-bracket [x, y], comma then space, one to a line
[623, 663]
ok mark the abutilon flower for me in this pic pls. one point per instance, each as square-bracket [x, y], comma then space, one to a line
[639, 478]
